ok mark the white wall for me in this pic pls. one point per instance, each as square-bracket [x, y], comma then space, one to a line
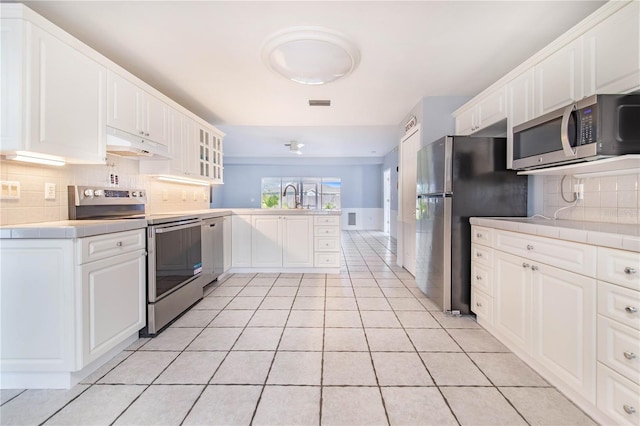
[366, 219]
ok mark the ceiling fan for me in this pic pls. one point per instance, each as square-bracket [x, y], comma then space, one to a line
[294, 147]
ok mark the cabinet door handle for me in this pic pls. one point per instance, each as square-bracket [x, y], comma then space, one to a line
[525, 265]
[629, 409]
[146, 134]
[119, 244]
[629, 355]
[141, 132]
[529, 247]
[631, 309]
[534, 268]
[628, 270]
[478, 254]
[478, 235]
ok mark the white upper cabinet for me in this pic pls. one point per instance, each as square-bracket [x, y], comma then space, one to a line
[612, 53]
[486, 111]
[559, 79]
[53, 96]
[520, 97]
[466, 122]
[134, 111]
[122, 104]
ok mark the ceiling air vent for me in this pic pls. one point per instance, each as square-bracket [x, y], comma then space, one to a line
[319, 102]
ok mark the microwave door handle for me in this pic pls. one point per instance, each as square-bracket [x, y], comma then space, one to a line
[564, 131]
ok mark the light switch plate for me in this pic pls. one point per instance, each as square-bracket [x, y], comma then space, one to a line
[49, 191]
[9, 190]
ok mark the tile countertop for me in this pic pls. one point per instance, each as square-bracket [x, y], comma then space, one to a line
[614, 235]
[88, 228]
[308, 212]
[70, 228]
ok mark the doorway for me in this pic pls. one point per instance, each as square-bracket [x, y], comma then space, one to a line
[387, 201]
[408, 175]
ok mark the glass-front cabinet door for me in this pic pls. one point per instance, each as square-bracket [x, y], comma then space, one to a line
[205, 152]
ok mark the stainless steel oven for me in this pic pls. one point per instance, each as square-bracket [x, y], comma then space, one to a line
[174, 267]
[174, 249]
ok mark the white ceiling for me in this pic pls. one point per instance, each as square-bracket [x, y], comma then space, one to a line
[206, 55]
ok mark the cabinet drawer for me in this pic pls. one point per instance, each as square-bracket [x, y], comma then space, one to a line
[327, 244]
[327, 230]
[619, 267]
[574, 257]
[482, 254]
[618, 397]
[482, 278]
[619, 303]
[107, 245]
[482, 235]
[482, 305]
[327, 260]
[619, 348]
[326, 220]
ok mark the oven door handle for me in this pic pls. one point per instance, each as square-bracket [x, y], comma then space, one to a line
[177, 226]
[564, 131]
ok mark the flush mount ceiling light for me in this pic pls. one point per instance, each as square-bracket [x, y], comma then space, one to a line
[310, 55]
[294, 147]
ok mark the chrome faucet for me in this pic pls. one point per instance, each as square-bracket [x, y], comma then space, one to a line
[295, 194]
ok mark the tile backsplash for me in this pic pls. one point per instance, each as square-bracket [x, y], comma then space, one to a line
[32, 207]
[612, 199]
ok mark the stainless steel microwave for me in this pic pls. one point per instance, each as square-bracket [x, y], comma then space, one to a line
[596, 127]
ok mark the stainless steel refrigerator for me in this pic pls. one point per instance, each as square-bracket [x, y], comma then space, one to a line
[459, 177]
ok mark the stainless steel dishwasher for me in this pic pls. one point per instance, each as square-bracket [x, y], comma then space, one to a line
[212, 249]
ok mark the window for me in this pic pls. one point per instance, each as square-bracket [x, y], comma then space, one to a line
[307, 193]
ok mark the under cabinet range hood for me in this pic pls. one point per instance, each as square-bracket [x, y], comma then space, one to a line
[127, 145]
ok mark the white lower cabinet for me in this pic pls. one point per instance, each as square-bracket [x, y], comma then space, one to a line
[282, 241]
[266, 241]
[550, 304]
[512, 299]
[227, 243]
[241, 237]
[564, 326]
[272, 242]
[62, 319]
[113, 302]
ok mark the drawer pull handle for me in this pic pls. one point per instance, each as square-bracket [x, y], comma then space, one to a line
[478, 235]
[534, 268]
[629, 355]
[525, 265]
[478, 278]
[479, 305]
[529, 247]
[628, 270]
[119, 244]
[631, 309]
[478, 254]
[629, 409]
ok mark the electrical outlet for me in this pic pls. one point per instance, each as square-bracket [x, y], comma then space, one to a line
[49, 191]
[9, 190]
[205, 196]
[184, 195]
[195, 195]
[165, 195]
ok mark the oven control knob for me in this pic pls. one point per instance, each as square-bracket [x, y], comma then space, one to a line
[98, 193]
[88, 193]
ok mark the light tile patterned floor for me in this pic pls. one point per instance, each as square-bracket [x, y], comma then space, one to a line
[362, 347]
